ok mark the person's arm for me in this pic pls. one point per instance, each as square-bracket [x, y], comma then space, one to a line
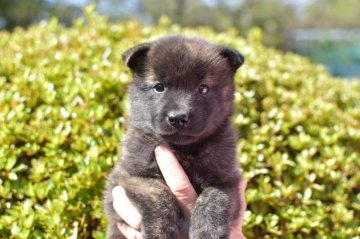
[182, 189]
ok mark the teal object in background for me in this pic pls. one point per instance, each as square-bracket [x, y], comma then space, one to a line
[344, 60]
[338, 49]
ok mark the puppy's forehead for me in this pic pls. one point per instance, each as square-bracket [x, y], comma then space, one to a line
[181, 57]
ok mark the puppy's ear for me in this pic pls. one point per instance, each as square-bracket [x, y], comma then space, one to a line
[135, 58]
[233, 57]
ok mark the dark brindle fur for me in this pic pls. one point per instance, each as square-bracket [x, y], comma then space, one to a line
[194, 124]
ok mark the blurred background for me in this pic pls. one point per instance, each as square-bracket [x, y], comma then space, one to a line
[327, 31]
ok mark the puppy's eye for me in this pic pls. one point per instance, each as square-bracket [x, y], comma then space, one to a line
[203, 89]
[159, 87]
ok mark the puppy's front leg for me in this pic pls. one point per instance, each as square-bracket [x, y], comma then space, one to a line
[161, 216]
[215, 209]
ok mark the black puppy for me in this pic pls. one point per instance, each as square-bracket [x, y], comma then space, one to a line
[181, 97]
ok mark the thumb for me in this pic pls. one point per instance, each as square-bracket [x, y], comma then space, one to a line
[176, 179]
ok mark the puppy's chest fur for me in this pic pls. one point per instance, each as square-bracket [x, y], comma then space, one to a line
[210, 162]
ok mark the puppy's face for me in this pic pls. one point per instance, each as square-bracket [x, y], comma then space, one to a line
[183, 87]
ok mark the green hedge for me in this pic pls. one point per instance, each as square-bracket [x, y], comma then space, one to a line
[62, 107]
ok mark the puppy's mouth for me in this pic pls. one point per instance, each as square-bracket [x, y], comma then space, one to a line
[177, 134]
[180, 137]
[185, 134]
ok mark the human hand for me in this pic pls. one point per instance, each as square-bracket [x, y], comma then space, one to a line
[182, 189]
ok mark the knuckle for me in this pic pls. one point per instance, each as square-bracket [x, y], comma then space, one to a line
[182, 190]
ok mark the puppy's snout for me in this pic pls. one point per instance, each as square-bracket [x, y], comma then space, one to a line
[177, 119]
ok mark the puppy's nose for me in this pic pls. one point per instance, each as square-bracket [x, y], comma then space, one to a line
[177, 119]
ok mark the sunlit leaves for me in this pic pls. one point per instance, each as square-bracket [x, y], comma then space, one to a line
[63, 104]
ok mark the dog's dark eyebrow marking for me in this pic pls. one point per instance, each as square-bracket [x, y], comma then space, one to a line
[145, 87]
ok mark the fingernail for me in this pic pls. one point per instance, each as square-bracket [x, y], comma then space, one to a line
[159, 150]
[117, 191]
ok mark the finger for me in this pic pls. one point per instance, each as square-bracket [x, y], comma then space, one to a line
[125, 209]
[129, 233]
[242, 187]
[236, 229]
[236, 234]
[176, 179]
